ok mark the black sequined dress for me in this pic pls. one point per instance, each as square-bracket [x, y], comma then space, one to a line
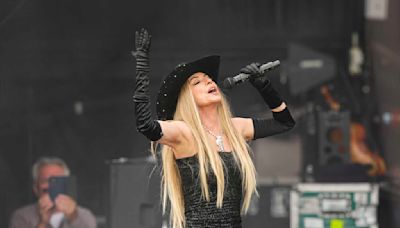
[202, 214]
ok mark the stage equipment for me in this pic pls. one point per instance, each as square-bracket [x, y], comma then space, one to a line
[334, 205]
[272, 207]
[134, 194]
[307, 68]
[333, 137]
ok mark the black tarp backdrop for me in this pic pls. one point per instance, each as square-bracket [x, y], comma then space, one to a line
[67, 75]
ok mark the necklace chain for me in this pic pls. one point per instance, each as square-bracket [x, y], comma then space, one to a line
[212, 133]
[218, 139]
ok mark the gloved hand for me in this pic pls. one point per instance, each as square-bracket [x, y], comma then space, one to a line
[145, 124]
[263, 85]
[142, 44]
[256, 76]
[141, 53]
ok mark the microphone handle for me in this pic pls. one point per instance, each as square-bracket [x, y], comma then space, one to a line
[265, 67]
[240, 78]
[269, 65]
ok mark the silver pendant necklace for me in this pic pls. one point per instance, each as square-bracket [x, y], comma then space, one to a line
[218, 140]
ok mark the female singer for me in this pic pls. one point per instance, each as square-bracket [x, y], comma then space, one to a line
[208, 176]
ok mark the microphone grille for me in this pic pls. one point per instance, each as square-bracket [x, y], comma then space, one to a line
[228, 83]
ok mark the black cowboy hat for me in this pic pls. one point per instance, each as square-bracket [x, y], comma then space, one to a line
[171, 85]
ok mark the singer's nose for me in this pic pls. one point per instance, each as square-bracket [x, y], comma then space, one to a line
[208, 79]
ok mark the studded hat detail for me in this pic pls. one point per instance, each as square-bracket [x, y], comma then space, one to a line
[171, 85]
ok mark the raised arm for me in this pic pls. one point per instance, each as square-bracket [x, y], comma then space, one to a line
[165, 132]
[145, 123]
[282, 120]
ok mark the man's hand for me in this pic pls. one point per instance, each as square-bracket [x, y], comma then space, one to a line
[67, 205]
[45, 210]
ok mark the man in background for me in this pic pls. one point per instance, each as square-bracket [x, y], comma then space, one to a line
[62, 212]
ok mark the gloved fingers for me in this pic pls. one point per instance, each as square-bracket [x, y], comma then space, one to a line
[139, 38]
[142, 40]
[245, 70]
[147, 42]
[136, 39]
[143, 36]
[146, 38]
[254, 68]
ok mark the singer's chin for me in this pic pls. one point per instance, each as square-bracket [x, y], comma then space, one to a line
[210, 100]
[216, 98]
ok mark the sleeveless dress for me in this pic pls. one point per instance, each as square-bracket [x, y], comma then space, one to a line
[202, 214]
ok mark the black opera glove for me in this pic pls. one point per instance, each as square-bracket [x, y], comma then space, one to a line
[281, 122]
[141, 54]
[263, 85]
[145, 124]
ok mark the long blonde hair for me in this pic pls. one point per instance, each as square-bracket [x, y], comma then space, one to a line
[172, 193]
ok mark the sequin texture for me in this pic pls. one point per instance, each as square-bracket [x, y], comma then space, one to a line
[199, 212]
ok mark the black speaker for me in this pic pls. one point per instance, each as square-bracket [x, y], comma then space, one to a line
[271, 208]
[134, 194]
[333, 137]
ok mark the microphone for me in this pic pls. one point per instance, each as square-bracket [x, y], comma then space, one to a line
[230, 82]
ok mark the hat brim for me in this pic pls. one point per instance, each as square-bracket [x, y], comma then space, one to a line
[171, 85]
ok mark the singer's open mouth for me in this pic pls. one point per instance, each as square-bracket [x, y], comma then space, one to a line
[212, 90]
